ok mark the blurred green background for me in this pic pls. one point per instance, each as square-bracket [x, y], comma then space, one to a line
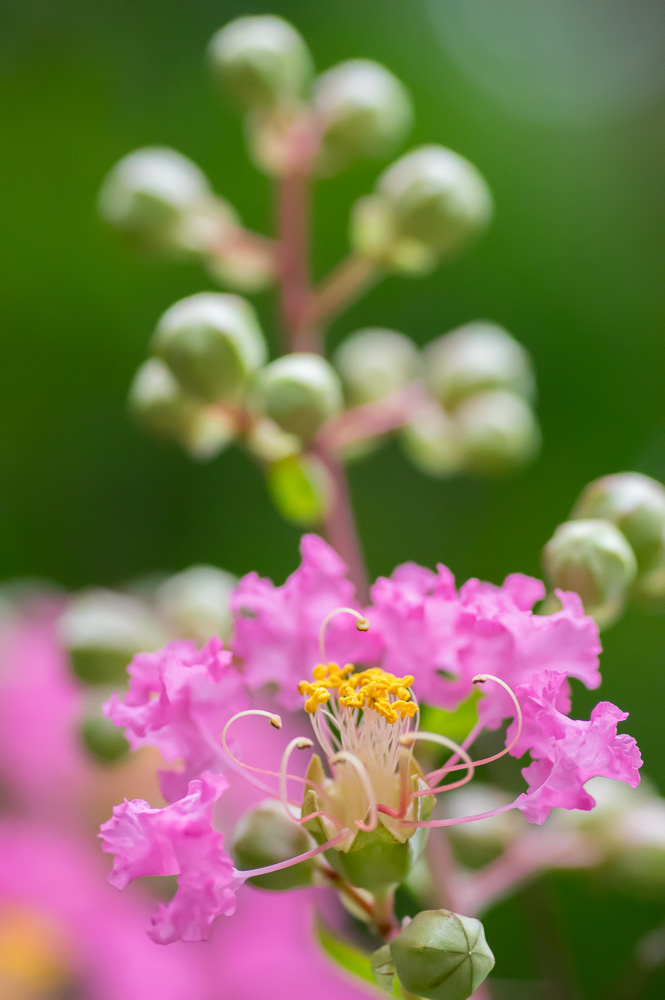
[561, 106]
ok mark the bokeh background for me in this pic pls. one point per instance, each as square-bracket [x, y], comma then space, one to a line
[562, 107]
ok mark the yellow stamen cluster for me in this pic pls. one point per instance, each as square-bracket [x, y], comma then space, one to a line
[368, 689]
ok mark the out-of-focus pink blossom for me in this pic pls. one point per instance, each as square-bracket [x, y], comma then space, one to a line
[178, 701]
[178, 839]
[569, 752]
[276, 629]
[42, 767]
[102, 948]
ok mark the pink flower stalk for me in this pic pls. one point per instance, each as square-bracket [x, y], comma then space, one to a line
[427, 641]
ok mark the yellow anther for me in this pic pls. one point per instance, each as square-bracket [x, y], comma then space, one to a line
[372, 689]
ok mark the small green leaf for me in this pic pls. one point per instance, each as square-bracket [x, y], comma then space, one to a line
[344, 954]
[299, 488]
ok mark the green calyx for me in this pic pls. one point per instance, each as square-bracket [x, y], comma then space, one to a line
[377, 859]
[441, 955]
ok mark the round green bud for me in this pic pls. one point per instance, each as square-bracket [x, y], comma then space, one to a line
[428, 204]
[101, 738]
[102, 631]
[158, 404]
[362, 109]
[474, 358]
[431, 442]
[636, 505]
[373, 363]
[592, 558]
[260, 61]
[299, 392]
[149, 192]
[497, 431]
[441, 955]
[265, 836]
[196, 602]
[212, 343]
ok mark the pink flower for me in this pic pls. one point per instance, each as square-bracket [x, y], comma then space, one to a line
[178, 701]
[276, 629]
[177, 840]
[569, 752]
[445, 637]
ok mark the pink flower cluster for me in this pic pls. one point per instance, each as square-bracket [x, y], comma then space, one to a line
[179, 700]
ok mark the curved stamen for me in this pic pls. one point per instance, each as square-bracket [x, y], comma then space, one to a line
[410, 738]
[361, 771]
[254, 872]
[480, 679]
[431, 823]
[362, 624]
[276, 722]
[299, 743]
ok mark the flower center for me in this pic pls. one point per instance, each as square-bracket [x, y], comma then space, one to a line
[370, 690]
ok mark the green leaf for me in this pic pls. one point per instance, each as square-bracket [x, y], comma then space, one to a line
[344, 954]
[299, 488]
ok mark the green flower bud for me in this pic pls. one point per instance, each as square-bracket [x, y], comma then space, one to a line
[497, 431]
[363, 110]
[102, 631]
[270, 443]
[374, 363]
[432, 443]
[158, 403]
[636, 505]
[196, 602]
[149, 192]
[474, 358]
[299, 392]
[243, 264]
[441, 955]
[212, 343]
[260, 61]
[383, 968]
[594, 559]
[428, 204]
[101, 738]
[300, 488]
[265, 836]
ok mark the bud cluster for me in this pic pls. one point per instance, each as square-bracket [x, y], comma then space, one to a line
[613, 545]
[474, 412]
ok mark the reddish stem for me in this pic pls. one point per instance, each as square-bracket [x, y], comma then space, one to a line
[373, 419]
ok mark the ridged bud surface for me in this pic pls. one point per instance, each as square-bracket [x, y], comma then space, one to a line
[636, 504]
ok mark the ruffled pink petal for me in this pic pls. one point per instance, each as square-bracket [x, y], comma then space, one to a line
[276, 629]
[569, 752]
[178, 701]
[176, 840]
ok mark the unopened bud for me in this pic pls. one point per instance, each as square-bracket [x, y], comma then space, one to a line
[474, 358]
[212, 343]
[242, 264]
[432, 443]
[636, 504]
[593, 559]
[428, 204]
[260, 61]
[441, 955]
[362, 109]
[374, 363]
[265, 836]
[383, 968]
[299, 392]
[148, 194]
[102, 631]
[498, 431]
[101, 737]
[196, 602]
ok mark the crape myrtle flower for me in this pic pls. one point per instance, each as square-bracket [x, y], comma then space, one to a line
[365, 799]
